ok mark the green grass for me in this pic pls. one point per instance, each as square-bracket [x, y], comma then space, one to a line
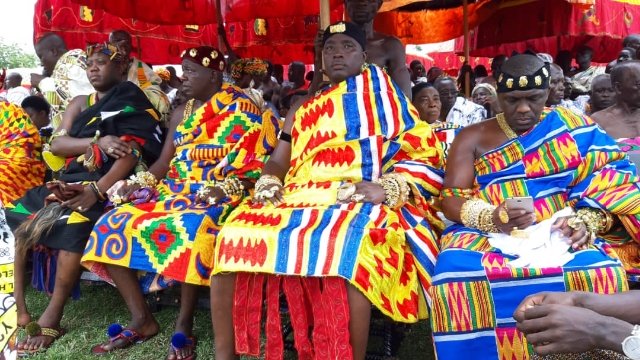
[87, 319]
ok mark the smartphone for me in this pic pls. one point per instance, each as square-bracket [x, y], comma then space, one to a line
[524, 203]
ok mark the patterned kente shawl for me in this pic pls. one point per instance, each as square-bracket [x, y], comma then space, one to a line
[229, 145]
[565, 160]
[355, 131]
[21, 166]
[174, 236]
[124, 112]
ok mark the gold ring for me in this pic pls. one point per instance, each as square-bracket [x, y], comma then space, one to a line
[503, 215]
[80, 208]
[357, 197]
[575, 223]
[110, 150]
[345, 191]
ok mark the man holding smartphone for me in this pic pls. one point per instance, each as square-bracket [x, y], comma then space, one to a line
[507, 173]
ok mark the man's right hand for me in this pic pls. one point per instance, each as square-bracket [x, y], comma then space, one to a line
[114, 146]
[518, 218]
[35, 79]
[547, 298]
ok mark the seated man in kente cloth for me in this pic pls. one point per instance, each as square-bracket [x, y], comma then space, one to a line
[219, 146]
[342, 209]
[567, 165]
[101, 139]
[21, 166]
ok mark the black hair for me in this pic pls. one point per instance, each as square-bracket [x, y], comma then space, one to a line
[37, 103]
[419, 87]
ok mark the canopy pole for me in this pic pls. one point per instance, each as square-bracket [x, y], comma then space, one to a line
[325, 20]
[325, 14]
[465, 22]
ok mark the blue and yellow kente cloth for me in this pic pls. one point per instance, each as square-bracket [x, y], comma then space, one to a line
[357, 130]
[174, 236]
[565, 160]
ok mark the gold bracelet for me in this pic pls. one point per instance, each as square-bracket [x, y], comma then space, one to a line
[478, 214]
[396, 189]
[596, 220]
[144, 179]
[232, 186]
[266, 181]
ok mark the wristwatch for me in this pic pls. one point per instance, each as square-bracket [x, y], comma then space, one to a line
[631, 345]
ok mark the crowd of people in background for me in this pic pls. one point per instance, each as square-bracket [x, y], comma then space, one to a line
[366, 183]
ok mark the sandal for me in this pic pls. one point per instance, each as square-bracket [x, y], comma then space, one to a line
[33, 329]
[116, 332]
[180, 341]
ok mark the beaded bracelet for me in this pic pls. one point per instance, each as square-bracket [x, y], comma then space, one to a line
[456, 192]
[232, 186]
[264, 186]
[94, 186]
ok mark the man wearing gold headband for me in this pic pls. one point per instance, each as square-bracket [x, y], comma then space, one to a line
[560, 161]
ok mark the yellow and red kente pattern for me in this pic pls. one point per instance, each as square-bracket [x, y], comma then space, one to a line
[357, 130]
[174, 236]
[21, 166]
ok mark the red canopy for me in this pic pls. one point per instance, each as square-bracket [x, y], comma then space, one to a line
[431, 26]
[166, 12]
[79, 25]
[281, 40]
[279, 30]
[551, 25]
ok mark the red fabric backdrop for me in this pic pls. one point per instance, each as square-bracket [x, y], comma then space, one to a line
[79, 26]
[279, 30]
[551, 25]
[449, 61]
[167, 12]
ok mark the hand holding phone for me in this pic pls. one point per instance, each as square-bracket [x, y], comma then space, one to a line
[520, 203]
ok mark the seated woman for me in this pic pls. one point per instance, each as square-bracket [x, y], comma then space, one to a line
[21, 166]
[485, 95]
[426, 99]
[559, 159]
[219, 146]
[102, 137]
[350, 226]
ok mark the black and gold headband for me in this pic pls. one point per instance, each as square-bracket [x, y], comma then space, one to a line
[538, 80]
[106, 48]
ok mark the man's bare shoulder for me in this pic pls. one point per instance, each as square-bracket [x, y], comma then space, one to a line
[605, 116]
[390, 42]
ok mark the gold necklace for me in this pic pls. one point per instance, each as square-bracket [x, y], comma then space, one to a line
[502, 122]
